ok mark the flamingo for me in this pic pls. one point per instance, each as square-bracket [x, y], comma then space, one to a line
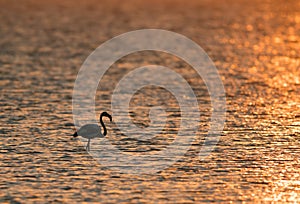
[91, 131]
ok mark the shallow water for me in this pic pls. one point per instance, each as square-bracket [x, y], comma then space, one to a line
[254, 45]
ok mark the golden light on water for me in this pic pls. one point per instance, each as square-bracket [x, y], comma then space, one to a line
[254, 44]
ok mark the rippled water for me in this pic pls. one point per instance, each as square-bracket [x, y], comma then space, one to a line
[255, 46]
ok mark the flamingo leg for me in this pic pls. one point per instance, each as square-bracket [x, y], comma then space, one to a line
[88, 145]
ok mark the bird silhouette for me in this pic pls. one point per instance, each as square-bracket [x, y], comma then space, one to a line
[91, 131]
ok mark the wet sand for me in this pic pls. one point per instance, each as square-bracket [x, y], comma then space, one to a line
[255, 46]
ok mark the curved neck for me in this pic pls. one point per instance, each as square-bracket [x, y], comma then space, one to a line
[103, 125]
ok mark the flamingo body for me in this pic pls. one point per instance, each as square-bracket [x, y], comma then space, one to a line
[90, 131]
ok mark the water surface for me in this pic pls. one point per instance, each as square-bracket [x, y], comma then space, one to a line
[255, 46]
